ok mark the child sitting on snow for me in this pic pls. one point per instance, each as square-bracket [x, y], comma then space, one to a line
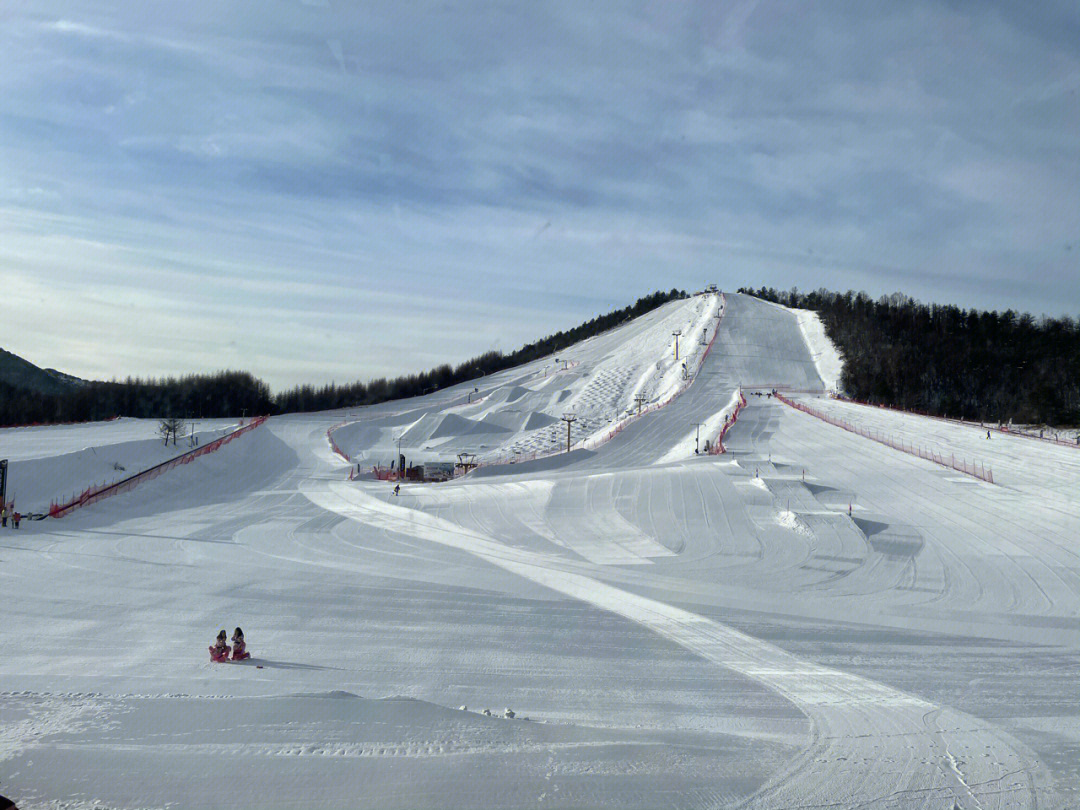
[239, 652]
[219, 651]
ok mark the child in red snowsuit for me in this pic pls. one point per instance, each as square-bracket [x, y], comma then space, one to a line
[219, 650]
[239, 650]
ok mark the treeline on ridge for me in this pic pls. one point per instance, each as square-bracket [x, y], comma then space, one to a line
[234, 393]
[947, 361]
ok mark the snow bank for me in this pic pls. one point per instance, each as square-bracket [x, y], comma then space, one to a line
[827, 359]
[791, 520]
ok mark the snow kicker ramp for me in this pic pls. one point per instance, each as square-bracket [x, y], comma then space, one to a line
[702, 632]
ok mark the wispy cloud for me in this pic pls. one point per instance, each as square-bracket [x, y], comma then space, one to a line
[316, 190]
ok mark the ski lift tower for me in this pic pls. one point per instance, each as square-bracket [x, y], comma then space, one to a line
[569, 418]
[466, 462]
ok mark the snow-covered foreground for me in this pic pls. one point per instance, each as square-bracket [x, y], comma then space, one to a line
[671, 630]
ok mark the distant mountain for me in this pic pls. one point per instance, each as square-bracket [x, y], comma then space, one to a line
[23, 374]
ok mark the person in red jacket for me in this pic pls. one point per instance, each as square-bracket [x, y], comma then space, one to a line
[219, 650]
[239, 650]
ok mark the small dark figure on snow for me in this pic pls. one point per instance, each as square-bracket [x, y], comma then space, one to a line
[219, 650]
[988, 434]
[3, 516]
[239, 650]
[15, 518]
[397, 488]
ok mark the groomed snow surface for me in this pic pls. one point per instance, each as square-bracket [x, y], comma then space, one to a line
[810, 620]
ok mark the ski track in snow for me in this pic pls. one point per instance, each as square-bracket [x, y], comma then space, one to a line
[884, 738]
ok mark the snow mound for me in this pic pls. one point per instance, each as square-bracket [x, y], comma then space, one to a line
[792, 521]
[487, 427]
[507, 420]
[538, 420]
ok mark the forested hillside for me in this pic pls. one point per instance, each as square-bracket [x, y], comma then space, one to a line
[949, 361]
[234, 393]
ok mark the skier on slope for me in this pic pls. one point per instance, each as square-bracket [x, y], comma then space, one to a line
[219, 650]
[397, 488]
[239, 650]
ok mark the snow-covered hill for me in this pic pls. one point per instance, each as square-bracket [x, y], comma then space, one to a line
[517, 413]
[811, 619]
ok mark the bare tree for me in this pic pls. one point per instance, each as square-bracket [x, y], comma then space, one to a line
[170, 428]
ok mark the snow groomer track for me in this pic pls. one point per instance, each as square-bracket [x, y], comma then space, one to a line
[811, 619]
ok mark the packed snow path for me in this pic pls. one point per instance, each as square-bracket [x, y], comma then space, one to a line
[707, 631]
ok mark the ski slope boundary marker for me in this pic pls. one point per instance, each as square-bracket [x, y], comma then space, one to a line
[718, 444]
[980, 471]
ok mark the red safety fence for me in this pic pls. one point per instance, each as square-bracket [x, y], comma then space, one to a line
[1075, 445]
[717, 446]
[100, 492]
[384, 473]
[980, 471]
[977, 425]
[333, 444]
[948, 419]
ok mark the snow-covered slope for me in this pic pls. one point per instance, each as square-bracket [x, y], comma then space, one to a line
[813, 619]
[45, 467]
[826, 357]
[516, 413]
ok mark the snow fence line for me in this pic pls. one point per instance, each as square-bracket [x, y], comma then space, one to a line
[717, 447]
[1009, 432]
[979, 425]
[334, 445]
[97, 493]
[980, 471]
[591, 443]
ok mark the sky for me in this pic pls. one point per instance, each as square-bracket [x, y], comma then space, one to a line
[321, 191]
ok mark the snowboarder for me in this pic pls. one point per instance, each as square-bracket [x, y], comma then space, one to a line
[397, 488]
[219, 650]
[239, 650]
[988, 434]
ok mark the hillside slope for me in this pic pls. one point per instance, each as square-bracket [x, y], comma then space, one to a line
[22, 374]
